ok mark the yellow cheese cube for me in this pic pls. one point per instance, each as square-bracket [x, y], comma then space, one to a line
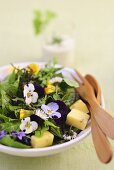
[45, 140]
[80, 105]
[77, 119]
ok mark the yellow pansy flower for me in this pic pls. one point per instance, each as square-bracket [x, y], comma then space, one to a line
[24, 113]
[50, 88]
[34, 67]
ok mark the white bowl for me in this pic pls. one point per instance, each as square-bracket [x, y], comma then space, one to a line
[38, 152]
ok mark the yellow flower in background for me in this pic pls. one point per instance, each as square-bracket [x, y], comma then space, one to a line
[50, 88]
[34, 67]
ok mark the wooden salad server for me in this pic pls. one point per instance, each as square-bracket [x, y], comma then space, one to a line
[95, 86]
[103, 118]
[101, 143]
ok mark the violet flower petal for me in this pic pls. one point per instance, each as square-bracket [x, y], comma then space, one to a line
[14, 134]
[45, 108]
[53, 106]
[26, 140]
[64, 110]
[56, 115]
[2, 134]
[20, 135]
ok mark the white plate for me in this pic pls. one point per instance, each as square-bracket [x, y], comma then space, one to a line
[35, 152]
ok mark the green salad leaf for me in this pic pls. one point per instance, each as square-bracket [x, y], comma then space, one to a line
[71, 83]
[8, 141]
[40, 131]
[10, 126]
[54, 129]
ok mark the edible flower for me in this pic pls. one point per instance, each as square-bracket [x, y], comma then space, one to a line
[25, 113]
[29, 94]
[2, 134]
[56, 80]
[22, 114]
[34, 68]
[18, 135]
[28, 126]
[51, 110]
[37, 119]
[50, 88]
[41, 114]
[39, 89]
[64, 110]
[70, 137]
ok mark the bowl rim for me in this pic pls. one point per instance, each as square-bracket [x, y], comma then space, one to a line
[33, 152]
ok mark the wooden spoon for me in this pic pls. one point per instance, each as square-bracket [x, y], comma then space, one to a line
[101, 143]
[104, 120]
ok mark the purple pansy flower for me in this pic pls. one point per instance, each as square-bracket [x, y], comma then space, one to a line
[2, 134]
[62, 107]
[51, 109]
[18, 135]
[64, 110]
[39, 89]
[37, 119]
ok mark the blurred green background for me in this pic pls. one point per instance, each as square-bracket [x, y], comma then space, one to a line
[90, 22]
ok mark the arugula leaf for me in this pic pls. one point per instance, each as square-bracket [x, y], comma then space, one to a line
[55, 130]
[10, 126]
[40, 131]
[11, 77]
[8, 141]
[56, 96]
[13, 108]
[70, 96]
[18, 99]
[7, 107]
[48, 123]
[5, 101]
[10, 88]
[6, 119]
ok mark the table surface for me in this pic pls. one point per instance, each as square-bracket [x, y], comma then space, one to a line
[91, 23]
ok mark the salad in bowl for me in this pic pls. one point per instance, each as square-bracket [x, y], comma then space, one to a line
[39, 107]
